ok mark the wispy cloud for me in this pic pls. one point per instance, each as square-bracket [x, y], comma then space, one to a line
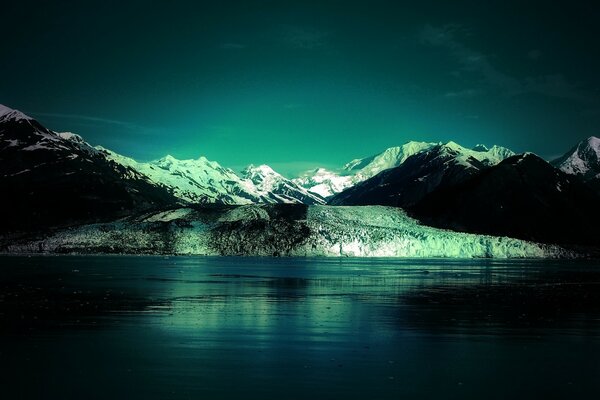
[470, 60]
[94, 121]
[492, 77]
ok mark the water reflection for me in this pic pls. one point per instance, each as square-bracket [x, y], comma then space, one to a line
[322, 328]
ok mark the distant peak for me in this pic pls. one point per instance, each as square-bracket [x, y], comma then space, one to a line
[7, 113]
[453, 145]
[262, 169]
[71, 136]
[480, 147]
[5, 110]
[593, 141]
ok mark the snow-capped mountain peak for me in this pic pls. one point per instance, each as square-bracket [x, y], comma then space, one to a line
[272, 185]
[481, 153]
[328, 183]
[7, 113]
[389, 158]
[583, 159]
[261, 173]
[71, 136]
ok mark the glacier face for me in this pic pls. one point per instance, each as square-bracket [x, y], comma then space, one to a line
[281, 230]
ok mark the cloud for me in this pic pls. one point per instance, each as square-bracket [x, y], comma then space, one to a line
[302, 37]
[492, 77]
[93, 121]
[470, 60]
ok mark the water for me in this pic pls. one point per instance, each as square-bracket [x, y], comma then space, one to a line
[230, 328]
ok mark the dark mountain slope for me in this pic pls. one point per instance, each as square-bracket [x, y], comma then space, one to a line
[523, 197]
[51, 179]
[441, 166]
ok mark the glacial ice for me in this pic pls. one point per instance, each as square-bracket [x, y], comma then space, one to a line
[368, 231]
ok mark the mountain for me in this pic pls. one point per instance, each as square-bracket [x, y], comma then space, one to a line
[438, 166]
[88, 182]
[328, 183]
[583, 160]
[195, 181]
[203, 182]
[523, 197]
[272, 187]
[51, 178]
[324, 182]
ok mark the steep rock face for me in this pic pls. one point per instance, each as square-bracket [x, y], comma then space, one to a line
[441, 166]
[51, 179]
[523, 197]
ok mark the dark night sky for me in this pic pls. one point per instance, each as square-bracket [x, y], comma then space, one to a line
[300, 84]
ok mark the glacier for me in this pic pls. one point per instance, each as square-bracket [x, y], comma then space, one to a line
[279, 230]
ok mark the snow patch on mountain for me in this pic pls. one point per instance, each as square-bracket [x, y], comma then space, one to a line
[73, 137]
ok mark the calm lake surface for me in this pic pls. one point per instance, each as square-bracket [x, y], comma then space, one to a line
[106, 327]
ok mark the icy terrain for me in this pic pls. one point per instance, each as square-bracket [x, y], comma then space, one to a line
[442, 165]
[203, 181]
[280, 230]
[582, 160]
[328, 183]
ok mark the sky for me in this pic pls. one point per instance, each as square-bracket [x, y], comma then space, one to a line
[300, 84]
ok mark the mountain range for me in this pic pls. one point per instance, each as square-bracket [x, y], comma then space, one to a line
[57, 179]
[435, 166]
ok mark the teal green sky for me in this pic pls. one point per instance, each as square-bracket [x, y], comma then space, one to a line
[301, 84]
